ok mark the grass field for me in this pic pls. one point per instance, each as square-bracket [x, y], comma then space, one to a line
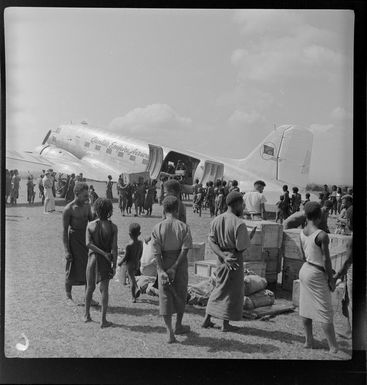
[35, 305]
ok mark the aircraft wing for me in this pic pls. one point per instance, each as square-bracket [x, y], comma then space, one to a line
[60, 161]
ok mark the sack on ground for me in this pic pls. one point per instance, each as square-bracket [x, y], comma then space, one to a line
[262, 298]
[254, 283]
[248, 304]
[198, 294]
[143, 281]
[148, 265]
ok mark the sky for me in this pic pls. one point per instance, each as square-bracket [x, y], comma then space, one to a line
[212, 81]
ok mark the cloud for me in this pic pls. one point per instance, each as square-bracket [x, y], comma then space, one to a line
[247, 118]
[281, 44]
[152, 119]
[320, 128]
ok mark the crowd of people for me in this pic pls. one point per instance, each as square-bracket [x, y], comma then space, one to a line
[90, 242]
[92, 258]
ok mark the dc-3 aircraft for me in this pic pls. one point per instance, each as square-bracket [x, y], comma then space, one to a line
[283, 157]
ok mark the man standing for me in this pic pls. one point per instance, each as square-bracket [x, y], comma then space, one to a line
[287, 202]
[75, 220]
[255, 202]
[228, 238]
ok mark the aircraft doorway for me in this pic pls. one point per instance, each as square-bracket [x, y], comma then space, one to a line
[181, 167]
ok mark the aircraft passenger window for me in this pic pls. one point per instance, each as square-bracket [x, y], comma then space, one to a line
[97, 147]
[120, 154]
[132, 157]
[86, 144]
[108, 151]
[145, 161]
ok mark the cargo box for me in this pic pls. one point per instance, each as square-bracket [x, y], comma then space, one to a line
[271, 277]
[253, 253]
[205, 268]
[258, 268]
[291, 268]
[271, 233]
[197, 253]
[273, 260]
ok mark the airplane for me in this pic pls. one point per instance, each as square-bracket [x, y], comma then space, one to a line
[283, 157]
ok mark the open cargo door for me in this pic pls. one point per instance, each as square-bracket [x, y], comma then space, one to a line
[212, 171]
[155, 161]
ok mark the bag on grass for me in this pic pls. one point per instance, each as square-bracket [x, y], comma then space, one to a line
[248, 304]
[262, 298]
[254, 283]
[148, 265]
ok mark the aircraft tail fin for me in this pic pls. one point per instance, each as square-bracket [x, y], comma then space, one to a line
[284, 156]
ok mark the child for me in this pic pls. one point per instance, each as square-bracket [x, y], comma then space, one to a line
[92, 195]
[280, 210]
[134, 251]
[307, 199]
[101, 241]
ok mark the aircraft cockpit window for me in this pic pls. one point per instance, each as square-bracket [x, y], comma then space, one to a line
[120, 154]
[108, 151]
[97, 147]
[132, 157]
[86, 144]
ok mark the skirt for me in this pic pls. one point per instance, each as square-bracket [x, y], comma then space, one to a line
[76, 270]
[315, 295]
[172, 298]
[226, 300]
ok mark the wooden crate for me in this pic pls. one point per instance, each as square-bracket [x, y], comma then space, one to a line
[205, 268]
[295, 293]
[253, 253]
[271, 277]
[273, 260]
[291, 246]
[291, 268]
[258, 268]
[197, 253]
[268, 234]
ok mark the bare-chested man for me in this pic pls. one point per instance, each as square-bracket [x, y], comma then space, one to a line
[75, 220]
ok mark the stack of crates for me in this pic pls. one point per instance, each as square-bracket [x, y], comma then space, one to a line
[265, 247]
[293, 257]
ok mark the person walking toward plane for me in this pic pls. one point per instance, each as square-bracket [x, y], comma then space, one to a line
[228, 238]
[255, 202]
[211, 198]
[316, 279]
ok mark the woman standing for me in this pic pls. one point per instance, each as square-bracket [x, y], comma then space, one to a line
[316, 279]
[49, 206]
[171, 241]
[109, 184]
[149, 200]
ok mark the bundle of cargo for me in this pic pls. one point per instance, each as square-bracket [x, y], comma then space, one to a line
[255, 293]
[293, 256]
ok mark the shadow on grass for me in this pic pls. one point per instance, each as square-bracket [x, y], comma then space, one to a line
[141, 328]
[274, 335]
[131, 311]
[226, 345]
